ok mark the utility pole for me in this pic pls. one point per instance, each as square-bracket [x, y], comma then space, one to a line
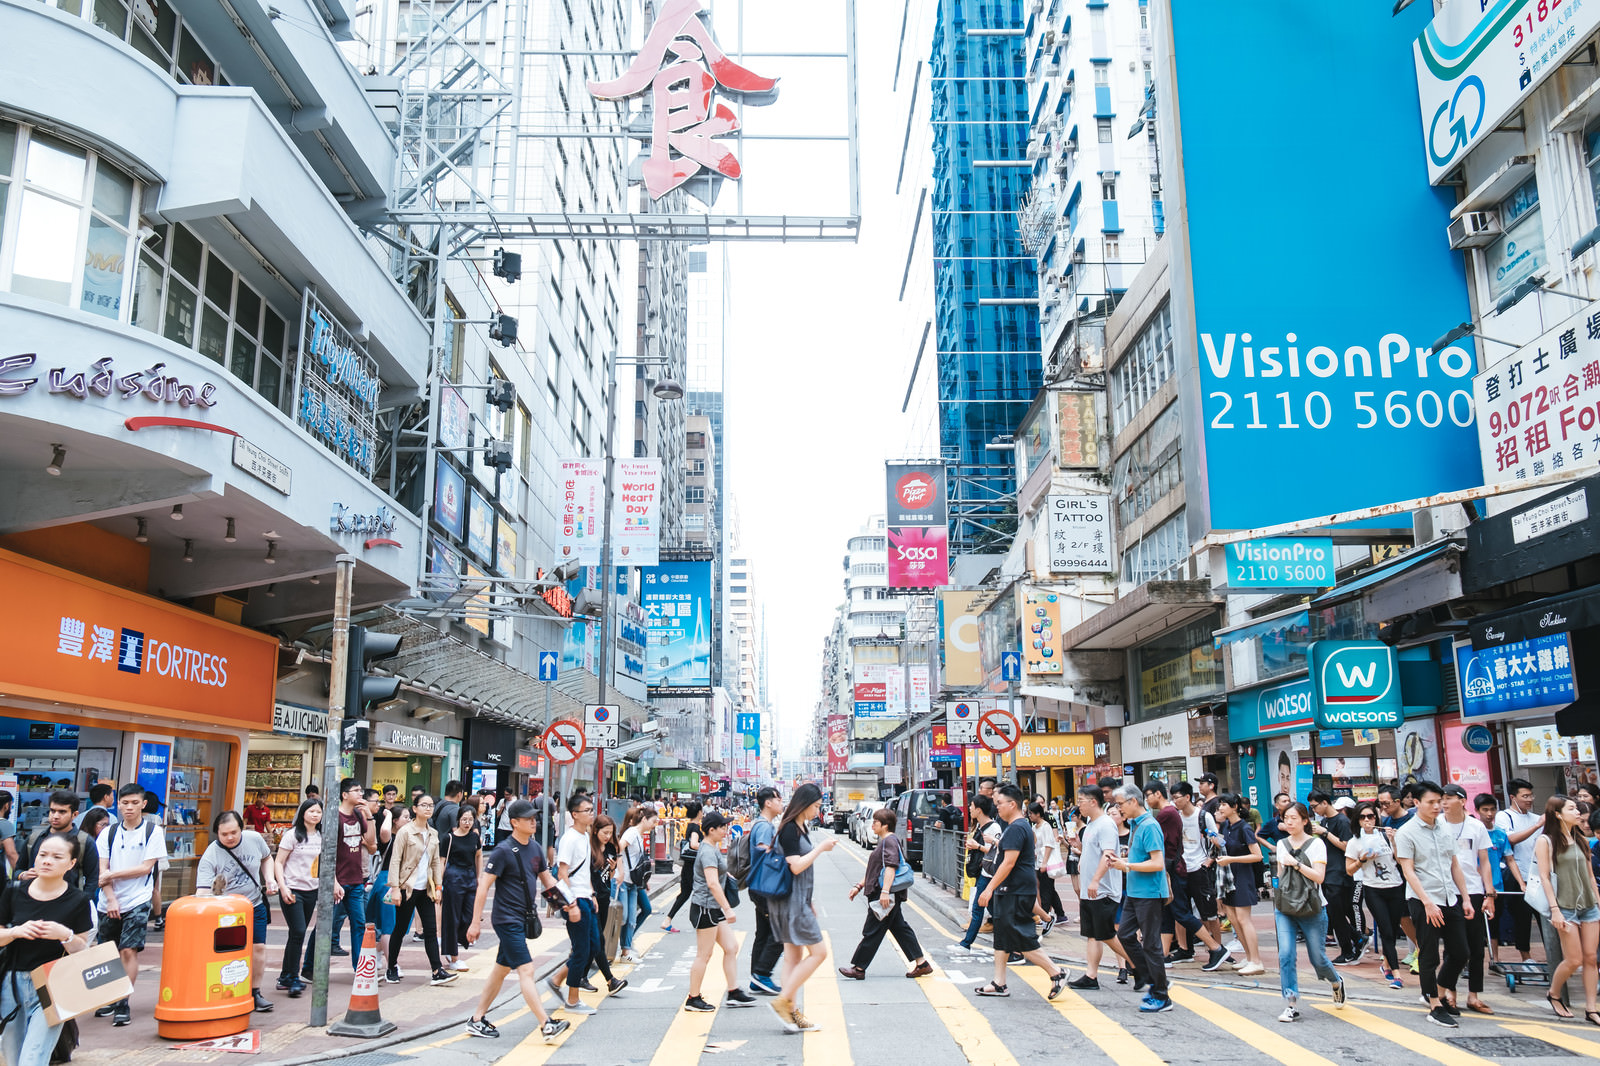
[601, 659]
[338, 672]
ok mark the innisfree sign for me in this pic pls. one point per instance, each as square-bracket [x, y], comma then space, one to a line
[1356, 684]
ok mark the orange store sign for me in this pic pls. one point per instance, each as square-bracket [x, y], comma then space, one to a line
[75, 640]
[1038, 749]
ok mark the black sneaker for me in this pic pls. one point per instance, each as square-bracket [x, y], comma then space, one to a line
[1344, 960]
[615, 985]
[338, 952]
[263, 1004]
[120, 1015]
[1216, 959]
[443, 977]
[106, 1011]
[1085, 981]
[393, 976]
[586, 986]
[481, 1027]
[1122, 975]
[740, 998]
[1179, 956]
[698, 1005]
[1015, 958]
[554, 1028]
[1440, 1016]
[1455, 1012]
[285, 984]
[1139, 983]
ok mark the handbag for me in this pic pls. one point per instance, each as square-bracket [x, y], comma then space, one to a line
[904, 876]
[639, 875]
[730, 888]
[1296, 895]
[770, 876]
[532, 926]
[1536, 896]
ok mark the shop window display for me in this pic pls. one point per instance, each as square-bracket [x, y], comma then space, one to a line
[195, 794]
[276, 776]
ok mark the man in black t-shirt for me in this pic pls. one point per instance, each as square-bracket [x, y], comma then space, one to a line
[512, 869]
[1333, 829]
[444, 819]
[1010, 897]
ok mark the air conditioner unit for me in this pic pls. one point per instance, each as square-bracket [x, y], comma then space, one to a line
[1049, 38]
[1474, 229]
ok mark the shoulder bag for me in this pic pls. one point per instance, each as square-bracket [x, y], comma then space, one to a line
[532, 926]
[770, 876]
[1296, 894]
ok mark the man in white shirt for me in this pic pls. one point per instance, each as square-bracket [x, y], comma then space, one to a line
[130, 850]
[1201, 882]
[1102, 888]
[1472, 852]
[572, 877]
[1522, 826]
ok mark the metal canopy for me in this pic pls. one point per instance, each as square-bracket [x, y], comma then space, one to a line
[507, 226]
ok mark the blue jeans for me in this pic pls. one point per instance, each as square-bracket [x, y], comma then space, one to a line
[635, 910]
[976, 911]
[27, 1041]
[588, 941]
[1315, 927]
[353, 906]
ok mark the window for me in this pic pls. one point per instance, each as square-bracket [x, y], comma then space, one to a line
[1178, 669]
[1143, 370]
[1102, 127]
[1591, 141]
[1102, 72]
[71, 216]
[694, 494]
[1519, 252]
[191, 297]
[1150, 468]
[156, 31]
[1108, 188]
[1158, 555]
[1113, 249]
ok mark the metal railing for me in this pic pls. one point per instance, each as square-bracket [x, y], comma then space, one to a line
[941, 857]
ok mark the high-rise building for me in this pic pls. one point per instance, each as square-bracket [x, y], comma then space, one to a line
[986, 319]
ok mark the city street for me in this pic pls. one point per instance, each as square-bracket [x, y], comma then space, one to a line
[1217, 1017]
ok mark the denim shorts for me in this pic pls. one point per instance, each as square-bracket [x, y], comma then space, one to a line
[513, 950]
[1588, 914]
[263, 918]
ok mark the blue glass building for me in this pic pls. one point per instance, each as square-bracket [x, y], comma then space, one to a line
[988, 361]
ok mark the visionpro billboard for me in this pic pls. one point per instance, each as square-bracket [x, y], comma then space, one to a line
[1318, 269]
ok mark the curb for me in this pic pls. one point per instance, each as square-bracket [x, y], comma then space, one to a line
[950, 907]
[393, 1039]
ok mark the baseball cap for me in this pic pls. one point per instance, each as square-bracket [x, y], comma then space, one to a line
[1208, 777]
[1343, 803]
[1455, 790]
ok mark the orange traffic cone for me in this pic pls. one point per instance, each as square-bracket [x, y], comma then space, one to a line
[363, 1019]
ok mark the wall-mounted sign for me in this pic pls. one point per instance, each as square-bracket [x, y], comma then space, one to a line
[918, 514]
[1523, 679]
[455, 419]
[480, 526]
[1542, 745]
[299, 721]
[1550, 516]
[261, 465]
[403, 738]
[1041, 632]
[1281, 562]
[1537, 407]
[685, 124]
[382, 521]
[101, 380]
[1270, 710]
[1357, 683]
[336, 386]
[449, 498]
[1079, 531]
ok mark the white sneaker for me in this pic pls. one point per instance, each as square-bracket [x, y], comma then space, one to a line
[578, 1008]
[1291, 1013]
[1235, 947]
[1251, 969]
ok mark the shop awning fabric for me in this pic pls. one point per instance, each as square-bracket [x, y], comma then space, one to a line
[1379, 574]
[1578, 609]
[1250, 630]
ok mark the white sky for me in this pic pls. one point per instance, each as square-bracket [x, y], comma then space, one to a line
[817, 371]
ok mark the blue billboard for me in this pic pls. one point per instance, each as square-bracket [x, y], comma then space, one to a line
[1309, 376]
[676, 597]
[1523, 679]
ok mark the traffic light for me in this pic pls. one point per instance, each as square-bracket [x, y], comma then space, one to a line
[361, 689]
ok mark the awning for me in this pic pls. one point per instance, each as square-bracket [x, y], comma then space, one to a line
[1148, 611]
[1578, 609]
[1379, 574]
[1293, 618]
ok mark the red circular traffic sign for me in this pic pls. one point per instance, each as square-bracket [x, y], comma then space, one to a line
[999, 730]
[564, 741]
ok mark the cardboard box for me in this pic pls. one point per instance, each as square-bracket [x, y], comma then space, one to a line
[81, 982]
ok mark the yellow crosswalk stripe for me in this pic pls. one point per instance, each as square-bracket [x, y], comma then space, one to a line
[685, 1039]
[1267, 1041]
[830, 1045]
[420, 1048]
[1410, 1039]
[1559, 1037]
[1108, 1035]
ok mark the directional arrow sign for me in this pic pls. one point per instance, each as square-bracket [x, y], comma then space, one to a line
[1011, 666]
[564, 741]
[549, 666]
[998, 730]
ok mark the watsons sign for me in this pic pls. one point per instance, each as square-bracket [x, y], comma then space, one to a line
[1357, 684]
[1287, 707]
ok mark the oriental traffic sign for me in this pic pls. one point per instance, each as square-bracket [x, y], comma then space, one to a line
[961, 721]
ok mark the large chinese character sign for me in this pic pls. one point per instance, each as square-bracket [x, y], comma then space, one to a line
[682, 65]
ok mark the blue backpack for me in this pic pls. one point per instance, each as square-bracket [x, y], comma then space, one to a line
[770, 876]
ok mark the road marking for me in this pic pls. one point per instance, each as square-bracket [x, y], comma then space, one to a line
[1267, 1041]
[1109, 1036]
[654, 985]
[1559, 1037]
[829, 1046]
[1409, 1039]
[685, 1039]
[420, 1048]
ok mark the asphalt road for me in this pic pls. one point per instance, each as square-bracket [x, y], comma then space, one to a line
[938, 1021]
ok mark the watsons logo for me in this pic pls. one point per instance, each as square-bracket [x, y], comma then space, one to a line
[1237, 356]
[1281, 708]
[1352, 717]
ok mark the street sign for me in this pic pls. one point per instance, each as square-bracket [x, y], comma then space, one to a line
[998, 730]
[600, 724]
[961, 721]
[1011, 666]
[564, 741]
[549, 666]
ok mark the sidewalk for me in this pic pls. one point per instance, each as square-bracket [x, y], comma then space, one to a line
[1065, 944]
[415, 1007]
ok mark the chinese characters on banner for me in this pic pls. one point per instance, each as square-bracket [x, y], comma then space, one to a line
[894, 691]
[683, 124]
[579, 487]
[838, 743]
[636, 513]
[1080, 431]
[918, 516]
[921, 698]
[1079, 532]
[1539, 407]
[677, 603]
[1517, 679]
[869, 691]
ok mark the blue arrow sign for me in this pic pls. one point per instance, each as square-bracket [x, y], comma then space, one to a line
[1011, 666]
[549, 665]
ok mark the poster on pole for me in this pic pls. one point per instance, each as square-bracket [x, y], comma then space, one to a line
[636, 513]
[920, 696]
[918, 518]
[838, 743]
[579, 488]
[894, 691]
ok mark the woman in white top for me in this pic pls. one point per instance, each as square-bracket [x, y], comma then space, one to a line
[1047, 856]
[1369, 858]
[416, 883]
[634, 866]
[1302, 864]
[298, 851]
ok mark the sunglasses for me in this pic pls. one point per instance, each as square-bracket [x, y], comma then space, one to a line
[1369, 817]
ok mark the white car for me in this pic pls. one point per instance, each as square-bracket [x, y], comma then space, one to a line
[861, 825]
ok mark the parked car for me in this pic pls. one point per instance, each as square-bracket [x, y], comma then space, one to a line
[915, 810]
[861, 825]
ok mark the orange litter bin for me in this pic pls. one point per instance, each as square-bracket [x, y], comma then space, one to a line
[205, 968]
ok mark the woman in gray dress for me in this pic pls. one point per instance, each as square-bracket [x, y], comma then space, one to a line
[793, 917]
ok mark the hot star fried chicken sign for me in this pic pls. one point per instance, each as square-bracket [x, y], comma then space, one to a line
[682, 67]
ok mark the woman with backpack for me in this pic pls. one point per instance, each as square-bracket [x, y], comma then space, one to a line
[298, 851]
[1298, 908]
[634, 866]
[692, 836]
[886, 882]
[793, 916]
[41, 919]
